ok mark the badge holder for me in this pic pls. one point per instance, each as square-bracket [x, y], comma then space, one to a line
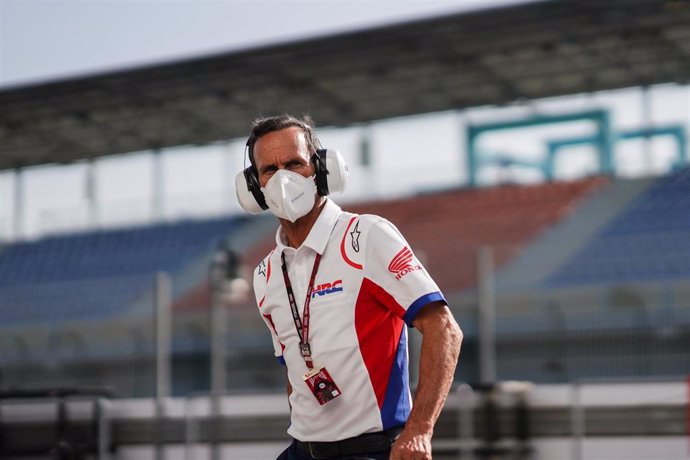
[321, 385]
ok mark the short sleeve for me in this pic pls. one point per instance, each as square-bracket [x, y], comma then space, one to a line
[392, 265]
[261, 276]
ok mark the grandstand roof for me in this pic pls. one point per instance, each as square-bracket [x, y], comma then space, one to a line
[487, 57]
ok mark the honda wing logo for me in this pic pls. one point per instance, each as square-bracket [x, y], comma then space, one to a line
[401, 264]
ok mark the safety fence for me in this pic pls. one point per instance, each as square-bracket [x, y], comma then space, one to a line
[108, 333]
[594, 420]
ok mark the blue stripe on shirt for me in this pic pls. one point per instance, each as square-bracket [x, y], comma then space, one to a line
[417, 305]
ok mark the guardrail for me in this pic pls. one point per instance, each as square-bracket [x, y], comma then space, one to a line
[506, 420]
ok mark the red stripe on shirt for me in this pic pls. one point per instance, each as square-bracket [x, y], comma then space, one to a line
[268, 277]
[273, 326]
[268, 269]
[342, 247]
[378, 331]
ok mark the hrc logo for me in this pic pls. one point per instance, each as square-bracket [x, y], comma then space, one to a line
[327, 288]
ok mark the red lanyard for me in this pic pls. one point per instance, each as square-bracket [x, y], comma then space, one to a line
[302, 325]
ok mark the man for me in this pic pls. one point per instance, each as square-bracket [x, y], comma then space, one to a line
[336, 293]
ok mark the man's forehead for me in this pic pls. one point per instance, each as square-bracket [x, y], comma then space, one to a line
[285, 141]
[291, 135]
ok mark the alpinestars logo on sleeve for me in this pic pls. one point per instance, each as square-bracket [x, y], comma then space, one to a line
[354, 234]
[401, 264]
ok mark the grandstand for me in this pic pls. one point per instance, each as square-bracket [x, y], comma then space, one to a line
[87, 299]
[591, 274]
[98, 277]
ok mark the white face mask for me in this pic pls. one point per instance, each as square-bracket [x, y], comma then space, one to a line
[290, 195]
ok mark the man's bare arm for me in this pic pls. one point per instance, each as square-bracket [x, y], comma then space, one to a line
[440, 350]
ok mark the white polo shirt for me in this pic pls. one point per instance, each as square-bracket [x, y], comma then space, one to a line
[368, 285]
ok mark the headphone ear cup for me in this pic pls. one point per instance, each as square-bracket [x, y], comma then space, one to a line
[331, 172]
[248, 191]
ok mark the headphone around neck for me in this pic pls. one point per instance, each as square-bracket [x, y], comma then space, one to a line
[331, 177]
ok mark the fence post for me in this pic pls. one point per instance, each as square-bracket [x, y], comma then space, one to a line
[225, 267]
[163, 301]
[487, 316]
[466, 402]
[577, 420]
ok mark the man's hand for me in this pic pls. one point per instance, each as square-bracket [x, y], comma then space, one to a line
[411, 446]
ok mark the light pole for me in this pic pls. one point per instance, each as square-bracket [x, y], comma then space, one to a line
[225, 267]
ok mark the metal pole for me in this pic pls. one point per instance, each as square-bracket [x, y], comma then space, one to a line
[90, 193]
[157, 205]
[218, 329]
[366, 159]
[18, 203]
[487, 316]
[163, 300]
[365, 147]
[218, 324]
[229, 168]
[605, 144]
[647, 125]
[191, 429]
[577, 420]
[466, 401]
[470, 144]
[163, 326]
[103, 407]
[414, 348]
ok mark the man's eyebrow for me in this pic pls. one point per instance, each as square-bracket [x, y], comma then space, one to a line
[266, 167]
[273, 165]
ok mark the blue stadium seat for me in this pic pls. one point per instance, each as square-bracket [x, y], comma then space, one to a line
[96, 275]
[648, 240]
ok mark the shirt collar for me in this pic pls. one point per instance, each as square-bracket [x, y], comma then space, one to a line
[318, 236]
